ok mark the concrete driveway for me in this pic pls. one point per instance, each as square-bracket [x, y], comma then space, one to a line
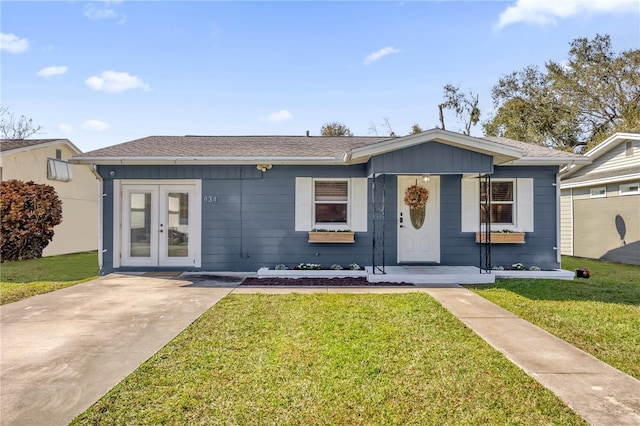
[61, 351]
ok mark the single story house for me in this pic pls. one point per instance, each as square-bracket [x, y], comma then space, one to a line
[601, 202]
[45, 161]
[239, 203]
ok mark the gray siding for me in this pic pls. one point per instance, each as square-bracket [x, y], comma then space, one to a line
[459, 248]
[251, 224]
[432, 157]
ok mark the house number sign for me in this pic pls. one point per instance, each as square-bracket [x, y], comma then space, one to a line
[209, 199]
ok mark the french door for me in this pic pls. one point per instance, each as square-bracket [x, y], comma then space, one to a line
[160, 225]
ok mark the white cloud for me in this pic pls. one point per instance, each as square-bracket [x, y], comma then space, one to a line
[545, 12]
[372, 57]
[95, 125]
[115, 82]
[13, 44]
[53, 70]
[104, 11]
[279, 116]
[65, 128]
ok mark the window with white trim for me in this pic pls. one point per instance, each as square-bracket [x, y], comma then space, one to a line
[512, 205]
[599, 192]
[630, 188]
[331, 202]
[502, 198]
[327, 203]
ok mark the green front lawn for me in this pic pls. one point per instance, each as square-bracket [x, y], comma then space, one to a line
[328, 359]
[26, 278]
[600, 315]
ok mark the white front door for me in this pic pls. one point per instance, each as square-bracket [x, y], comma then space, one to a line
[419, 241]
[160, 225]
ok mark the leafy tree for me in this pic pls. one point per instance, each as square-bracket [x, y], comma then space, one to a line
[465, 107]
[595, 93]
[416, 129]
[16, 128]
[530, 111]
[28, 213]
[335, 128]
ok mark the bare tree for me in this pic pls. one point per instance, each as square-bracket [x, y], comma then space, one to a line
[386, 125]
[466, 108]
[16, 128]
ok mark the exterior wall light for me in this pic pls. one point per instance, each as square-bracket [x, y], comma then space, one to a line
[263, 167]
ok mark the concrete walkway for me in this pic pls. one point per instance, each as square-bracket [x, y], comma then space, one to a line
[62, 351]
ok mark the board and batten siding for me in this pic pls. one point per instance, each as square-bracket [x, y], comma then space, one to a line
[431, 157]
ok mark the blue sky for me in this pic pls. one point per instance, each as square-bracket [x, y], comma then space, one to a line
[105, 72]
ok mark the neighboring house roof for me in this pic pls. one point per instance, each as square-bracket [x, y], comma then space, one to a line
[609, 176]
[307, 149]
[13, 146]
[600, 150]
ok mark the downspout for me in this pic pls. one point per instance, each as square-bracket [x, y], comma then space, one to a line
[101, 195]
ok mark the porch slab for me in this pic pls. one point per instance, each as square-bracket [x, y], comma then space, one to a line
[431, 275]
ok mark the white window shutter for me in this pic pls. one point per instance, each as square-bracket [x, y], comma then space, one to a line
[470, 203]
[359, 204]
[304, 204]
[524, 207]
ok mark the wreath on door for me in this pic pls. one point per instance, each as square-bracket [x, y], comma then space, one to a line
[416, 198]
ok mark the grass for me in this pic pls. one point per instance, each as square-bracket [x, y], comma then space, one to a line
[328, 359]
[26, 278]
[600, 315]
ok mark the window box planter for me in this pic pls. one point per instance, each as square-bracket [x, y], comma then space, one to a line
[331, 237]
[502, 237]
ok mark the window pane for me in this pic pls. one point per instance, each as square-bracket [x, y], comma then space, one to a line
[500, 213]
[331, 213]
[178, 224]
[501, 191]
[331, 191]
[140, 225]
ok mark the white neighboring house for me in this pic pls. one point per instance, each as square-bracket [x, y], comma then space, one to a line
[44, 161]
[600, 202]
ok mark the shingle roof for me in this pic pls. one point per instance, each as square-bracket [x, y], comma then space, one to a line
[626, 171]
[531, 150]
[11, 144]
[234, 146]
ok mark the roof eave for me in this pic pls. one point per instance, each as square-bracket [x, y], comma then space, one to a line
[213, 160]
[548, 161]
[43, 145]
